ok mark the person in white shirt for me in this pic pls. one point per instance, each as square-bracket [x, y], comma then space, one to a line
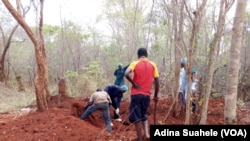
[194, 90]
[183, 83]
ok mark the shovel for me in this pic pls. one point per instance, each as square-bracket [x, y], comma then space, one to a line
[123, 122]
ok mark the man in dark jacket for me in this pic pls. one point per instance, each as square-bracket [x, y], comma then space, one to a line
[116, 94]
[119, 74]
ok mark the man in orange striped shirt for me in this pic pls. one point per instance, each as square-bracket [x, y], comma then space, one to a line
[141, 74]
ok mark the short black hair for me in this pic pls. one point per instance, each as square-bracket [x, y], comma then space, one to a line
[142, 52]
[99, 89]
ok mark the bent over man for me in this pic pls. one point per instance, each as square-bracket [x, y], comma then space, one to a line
[99, 100]
[116, 94]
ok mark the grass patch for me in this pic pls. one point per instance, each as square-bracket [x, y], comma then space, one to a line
[15, 101]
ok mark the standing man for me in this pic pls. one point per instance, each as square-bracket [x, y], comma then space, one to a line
[183, 84]
[116, 94]
[99, 100]
[119, 74]
[145, 73]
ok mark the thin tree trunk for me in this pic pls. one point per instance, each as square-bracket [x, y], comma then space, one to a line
[212, 54]
[234, 64]
[7, 43]
[195, 29]
[21, 87]
[3, 77]
[41, 78]
[178, 36]
[62, 87]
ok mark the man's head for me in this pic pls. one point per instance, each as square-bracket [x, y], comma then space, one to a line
[142, 52]
[193, 70]
[183, 62]
[98, 89]
[124, 88]
[119, 65]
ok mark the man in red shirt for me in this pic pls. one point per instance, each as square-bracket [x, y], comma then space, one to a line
[141, 74]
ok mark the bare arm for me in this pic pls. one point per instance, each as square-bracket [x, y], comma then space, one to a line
[129, 78]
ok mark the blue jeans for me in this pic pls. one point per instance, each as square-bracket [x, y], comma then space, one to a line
[104, 108]
[181, 98]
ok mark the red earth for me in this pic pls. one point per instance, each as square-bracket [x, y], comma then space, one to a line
[62, 123]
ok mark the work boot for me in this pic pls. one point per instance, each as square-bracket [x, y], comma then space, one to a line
[145, 127]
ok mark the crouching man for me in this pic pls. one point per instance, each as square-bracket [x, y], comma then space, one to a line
[99, 100]
[116, 94]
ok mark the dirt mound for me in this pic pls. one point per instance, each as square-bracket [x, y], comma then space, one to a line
[62, 123]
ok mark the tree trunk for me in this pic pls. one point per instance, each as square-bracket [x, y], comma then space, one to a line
[2, 72]
[177, 41]
[7, 43]
[234, 64]
[62, 88]
[3, 76]
[210, 69]
[195, 29]
[41, 78]
[21, 87]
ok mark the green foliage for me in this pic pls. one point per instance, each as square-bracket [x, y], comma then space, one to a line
[200, 101]
[208, 49]
[132, 25]
[86, 86]
[72, 78]
[71, 75]
[224, 60]
[216, 95]
[73, 30]
[93, 71]
[13, 83]
[86, 36]
[92, 68]
[240, 103]
[198, 35]
[83, 85]
[51, 30]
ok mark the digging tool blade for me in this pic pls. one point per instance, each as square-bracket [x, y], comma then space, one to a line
[155, 106]
[123, 121]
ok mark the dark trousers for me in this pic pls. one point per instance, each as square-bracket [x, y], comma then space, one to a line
[114, 105]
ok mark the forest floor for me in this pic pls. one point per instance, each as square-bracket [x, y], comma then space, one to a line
[62, 123]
